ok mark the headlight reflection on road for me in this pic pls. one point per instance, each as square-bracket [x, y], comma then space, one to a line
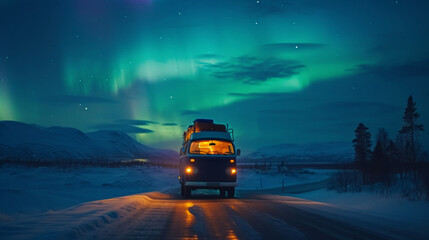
[189, 219]
[189, 216]
[231, 235]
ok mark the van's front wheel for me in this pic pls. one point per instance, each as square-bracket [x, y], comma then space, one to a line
[231, 192]
[222, 192]
[182, 190]
[187, 191]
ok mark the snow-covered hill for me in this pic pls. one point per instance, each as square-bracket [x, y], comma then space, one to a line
[28, 142]
[312, 152]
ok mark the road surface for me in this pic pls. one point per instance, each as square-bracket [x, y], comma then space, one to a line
[248, 216]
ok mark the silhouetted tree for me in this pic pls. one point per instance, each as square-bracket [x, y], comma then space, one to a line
[393, 157]
[380, 165]
[383, 138]
[362, 145]
[411, 128]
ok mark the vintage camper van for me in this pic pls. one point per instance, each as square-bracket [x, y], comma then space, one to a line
[208, 158]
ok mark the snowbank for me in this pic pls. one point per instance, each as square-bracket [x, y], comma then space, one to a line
[391, 216]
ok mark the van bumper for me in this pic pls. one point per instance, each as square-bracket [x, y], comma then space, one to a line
[210, 184]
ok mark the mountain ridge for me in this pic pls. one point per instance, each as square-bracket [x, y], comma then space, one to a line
[29, 142]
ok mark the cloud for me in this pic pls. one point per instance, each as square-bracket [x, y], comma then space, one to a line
[254, 70]
[405, 70]
[169, 124]
[338, 110]
[189, 112]
[357, 108]
[207, 55]
[76, 99]
[260, 94]
[290, 46]
[126, 128]
[135, 122]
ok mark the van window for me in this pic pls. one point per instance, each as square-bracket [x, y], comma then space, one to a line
[214, 147]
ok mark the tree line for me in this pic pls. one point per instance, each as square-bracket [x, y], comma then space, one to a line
[399, 162]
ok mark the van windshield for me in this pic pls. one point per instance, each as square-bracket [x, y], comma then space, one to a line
[213, 147]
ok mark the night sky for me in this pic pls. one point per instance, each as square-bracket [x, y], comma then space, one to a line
[276, 71]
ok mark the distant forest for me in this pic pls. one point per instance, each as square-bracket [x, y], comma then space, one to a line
[392, 164]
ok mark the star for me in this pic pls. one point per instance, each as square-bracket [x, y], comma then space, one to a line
[86, 108]
[296, 46]
[180, 13]
[257, 1]
[256, 23]
[171, 97]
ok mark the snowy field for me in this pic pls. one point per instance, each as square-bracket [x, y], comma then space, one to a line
[26, 190]
[73, 202]
[386, 213]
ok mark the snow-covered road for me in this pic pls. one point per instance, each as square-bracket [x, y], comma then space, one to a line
[101, 203]
[252, 215]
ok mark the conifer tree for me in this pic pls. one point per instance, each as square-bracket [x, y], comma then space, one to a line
[379, 165]
[392, 155]
[362, 145]
[411, 128]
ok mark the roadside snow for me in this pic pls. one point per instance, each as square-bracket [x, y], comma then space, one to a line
[250, 179]
[393, 207]
[76, 221]
[391, 216]
[27, 190]
[48, 202]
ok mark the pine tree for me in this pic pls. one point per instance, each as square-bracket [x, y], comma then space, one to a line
[392, 155]
[383, 138]
[362, 145]
[411, 128]
[379, 165]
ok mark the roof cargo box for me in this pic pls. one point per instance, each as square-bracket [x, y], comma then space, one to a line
[202, 125]
[219, 128]
[204, 120]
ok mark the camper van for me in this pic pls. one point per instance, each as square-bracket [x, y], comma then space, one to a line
[208, 158]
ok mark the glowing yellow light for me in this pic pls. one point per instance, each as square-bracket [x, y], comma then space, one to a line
[231, 161]
[192, 160]
[188, 170]
[233, 171]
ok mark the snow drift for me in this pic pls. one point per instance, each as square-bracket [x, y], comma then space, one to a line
[28, 142]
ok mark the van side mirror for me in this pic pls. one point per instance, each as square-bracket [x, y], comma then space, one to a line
[238, 152]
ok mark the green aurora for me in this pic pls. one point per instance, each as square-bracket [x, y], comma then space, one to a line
[100, 64]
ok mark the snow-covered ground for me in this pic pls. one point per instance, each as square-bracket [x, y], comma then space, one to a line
[47, 202]
[257, 179]
[410, 214]
[27, 190]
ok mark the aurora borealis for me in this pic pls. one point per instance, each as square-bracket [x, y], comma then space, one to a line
[276, 71]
